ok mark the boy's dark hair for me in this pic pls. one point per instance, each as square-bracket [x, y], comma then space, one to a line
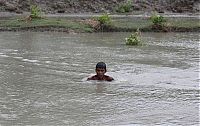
[101, 65]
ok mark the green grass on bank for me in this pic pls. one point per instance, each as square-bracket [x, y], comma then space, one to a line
[117, 23]
[132, 23]
[185, 23]
[45, 22]
[144, 23]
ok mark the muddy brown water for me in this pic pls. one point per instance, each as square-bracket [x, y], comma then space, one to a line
[43, 79]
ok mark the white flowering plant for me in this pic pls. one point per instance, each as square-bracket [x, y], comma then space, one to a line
[134, 38]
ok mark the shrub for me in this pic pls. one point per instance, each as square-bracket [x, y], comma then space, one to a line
[159, 23]
[104, 19]
[134, 39]
[125, 7]
[35, 12]
[157, 19]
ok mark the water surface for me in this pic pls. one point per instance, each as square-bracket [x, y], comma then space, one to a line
[43, 79]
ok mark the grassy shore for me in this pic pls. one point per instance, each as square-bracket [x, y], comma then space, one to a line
[77, 25]
[43, 24]
[144, 24]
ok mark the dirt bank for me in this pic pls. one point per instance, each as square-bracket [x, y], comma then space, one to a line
[99, 6]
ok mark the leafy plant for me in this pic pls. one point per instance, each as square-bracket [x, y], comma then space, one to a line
[159, 23]
[134, 38]
[125, 7]
[35, 12]
[104, 19]
[157, 19]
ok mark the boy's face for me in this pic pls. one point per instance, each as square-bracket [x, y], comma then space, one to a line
[100, 72]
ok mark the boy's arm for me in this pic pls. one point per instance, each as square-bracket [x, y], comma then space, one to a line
[91, 78]
[110, 79]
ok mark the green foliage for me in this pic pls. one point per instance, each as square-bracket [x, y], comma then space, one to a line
[157, 19]
[134, 39]
[35, 12]
[125, 7]
[104, 19]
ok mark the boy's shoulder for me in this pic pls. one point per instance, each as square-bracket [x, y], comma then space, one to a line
[93, 78]
[106, 78]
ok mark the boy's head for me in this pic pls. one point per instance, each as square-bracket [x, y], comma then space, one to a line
[101, 65]
[101, 69]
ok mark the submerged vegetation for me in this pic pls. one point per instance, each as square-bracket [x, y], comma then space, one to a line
[134, 38]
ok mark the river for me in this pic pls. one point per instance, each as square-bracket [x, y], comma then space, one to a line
[43, 79]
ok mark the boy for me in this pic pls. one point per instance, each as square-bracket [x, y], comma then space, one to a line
[100, 71]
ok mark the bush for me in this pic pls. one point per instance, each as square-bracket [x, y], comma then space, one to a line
[35, 12]
[104, 19]
[159, 23]
[157, 19]
[126, 7]
[134, 39]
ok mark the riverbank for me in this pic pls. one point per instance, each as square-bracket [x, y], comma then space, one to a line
[85, 23]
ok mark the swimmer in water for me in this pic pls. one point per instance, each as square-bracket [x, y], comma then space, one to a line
[100, 73]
